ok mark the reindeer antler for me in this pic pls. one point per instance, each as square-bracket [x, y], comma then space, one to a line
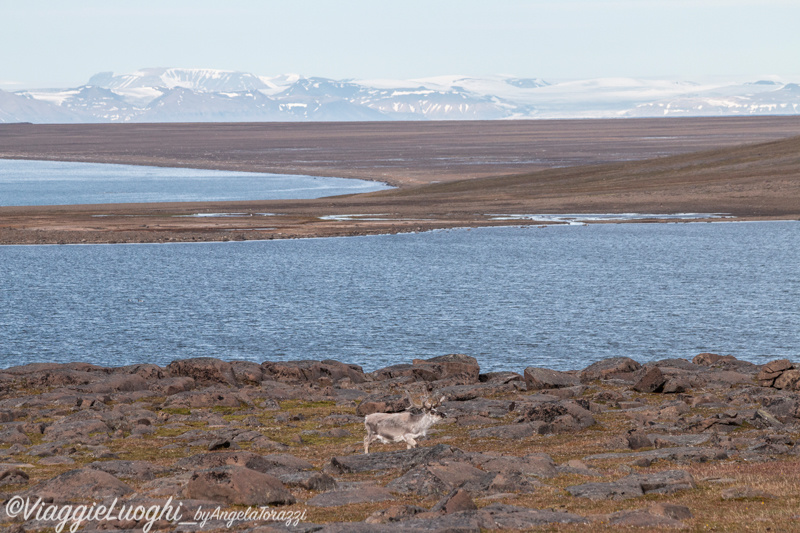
[412, 402]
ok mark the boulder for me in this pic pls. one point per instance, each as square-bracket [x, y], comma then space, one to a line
[535, 464]
[170, 386]
[456, 500]
[652, 381]
[510, 517]
[708, 359]
[439, 479]
[453, 369]
[147, 371]
[402, 459]
[367, 493]
[211, 397]
[118, 383]
[635, 485]
[772, 370]
[71, 430]
[788, 380]
[253, 461]
[562, 416]
[608, 369]
[247, 372]
[312, 371]
[13, 435]
[137, 470]
[79, 485]
[383, 403]
[237, 485]
[544, 378]
[512, 431]
[204, 370]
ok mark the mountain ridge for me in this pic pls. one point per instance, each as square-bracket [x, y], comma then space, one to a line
[210, 95]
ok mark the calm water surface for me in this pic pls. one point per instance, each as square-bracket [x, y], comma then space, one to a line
[58, 183]
[560, 297]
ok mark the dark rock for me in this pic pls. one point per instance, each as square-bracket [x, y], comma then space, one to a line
[544, 378]
[253, 461]
[772, 370]
[479, 407]
[205, 370]
[118, 383]
[652, 381]
[536, 464]
[170, 386]
[500, 377]
[247, 372]
[609, 368]
[642, 519]
[638, 439]
[402, 459]
[138, 470]
[509, 517]
[680, 454]
[788, 380]
[394, 513]
[13, 476]
[746, 493]
[237, 485]
[363, 494]
[676, 385]
[461, 393]
[606, 491]
[708, 359]
[455, 369]
[312, 371]
[670, 510]
[72, 430]
[512, 431]
[456, 500]
[78, 485]
[308, 480]
[211, 397]
[635, 485]
[149, 372]
[562, 416]
[439, 479]
[13, 435]
[383, 403]
[219, 444]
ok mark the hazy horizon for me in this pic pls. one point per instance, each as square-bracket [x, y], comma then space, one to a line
[50, 44]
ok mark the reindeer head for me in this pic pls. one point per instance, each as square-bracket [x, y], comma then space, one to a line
[429, 407]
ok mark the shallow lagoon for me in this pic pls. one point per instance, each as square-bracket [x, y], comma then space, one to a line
[560, 297]
[58, 183]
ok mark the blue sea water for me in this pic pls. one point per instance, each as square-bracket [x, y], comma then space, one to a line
[559, 297]
[56, 183]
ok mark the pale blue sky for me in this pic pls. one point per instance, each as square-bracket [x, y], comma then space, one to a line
[48, 43]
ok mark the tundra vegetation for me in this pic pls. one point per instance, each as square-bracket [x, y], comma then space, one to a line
[704, 445]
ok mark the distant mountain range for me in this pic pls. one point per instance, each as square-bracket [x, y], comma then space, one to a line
[206, 95]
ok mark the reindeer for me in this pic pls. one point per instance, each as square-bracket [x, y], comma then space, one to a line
[402, 427]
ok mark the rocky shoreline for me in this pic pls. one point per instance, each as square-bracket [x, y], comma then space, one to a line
[668, 444]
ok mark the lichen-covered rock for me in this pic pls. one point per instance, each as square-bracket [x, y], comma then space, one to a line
[204, 370]
[237, 485]
[544, 378]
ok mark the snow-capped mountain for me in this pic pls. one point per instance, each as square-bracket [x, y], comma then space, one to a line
[207, 95]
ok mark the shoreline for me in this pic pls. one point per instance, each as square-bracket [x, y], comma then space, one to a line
[748, 181]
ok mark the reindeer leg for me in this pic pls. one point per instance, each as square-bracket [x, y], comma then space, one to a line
[367, 441]
[410, 443]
